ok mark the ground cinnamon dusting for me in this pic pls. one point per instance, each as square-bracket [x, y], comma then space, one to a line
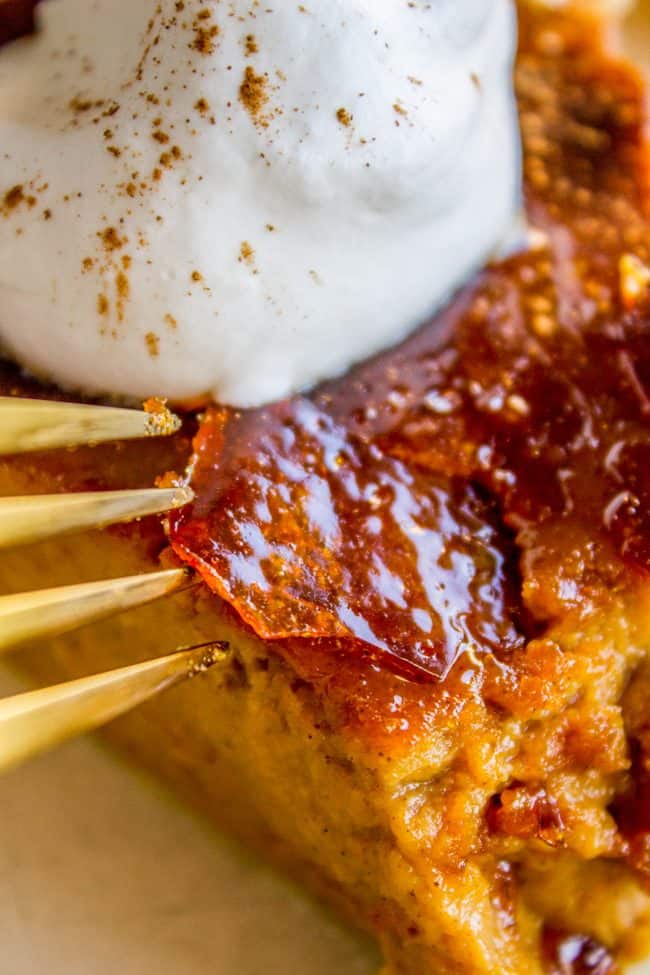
[253, 94]
[110, 239]
[14, 197]
[153, 344]
[122, 285]
[204, 39]
[122, 289]
[246, 252]
[344, 117]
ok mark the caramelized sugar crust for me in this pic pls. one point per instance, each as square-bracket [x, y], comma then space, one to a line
[393, 510]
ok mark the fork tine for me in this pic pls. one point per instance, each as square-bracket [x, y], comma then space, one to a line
[33, 722]
[36, 517]
[30, 424]
[47, 612]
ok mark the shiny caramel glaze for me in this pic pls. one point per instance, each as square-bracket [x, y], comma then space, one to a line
[394, 509]
[311, 533]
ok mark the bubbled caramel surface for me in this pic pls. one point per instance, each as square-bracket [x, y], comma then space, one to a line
[451, 498]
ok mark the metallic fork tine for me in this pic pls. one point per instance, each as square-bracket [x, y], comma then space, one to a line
[47, 612]
[36, 517]
[29, 424]
[33, 722]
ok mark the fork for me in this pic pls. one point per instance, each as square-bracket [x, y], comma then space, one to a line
[35, 721]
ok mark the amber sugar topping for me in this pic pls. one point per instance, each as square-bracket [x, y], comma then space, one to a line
[453, 495]
[317, 534]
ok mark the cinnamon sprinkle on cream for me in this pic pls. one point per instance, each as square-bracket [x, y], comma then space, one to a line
[250, 44]
[246, 252]
[253, 94]
[153, 344]
[110, 239]
[344, 117]
[14, 197]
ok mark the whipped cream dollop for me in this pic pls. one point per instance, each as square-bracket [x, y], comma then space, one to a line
[239, 199]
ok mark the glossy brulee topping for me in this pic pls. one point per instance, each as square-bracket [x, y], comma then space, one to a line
[492, 474]
[313, 533]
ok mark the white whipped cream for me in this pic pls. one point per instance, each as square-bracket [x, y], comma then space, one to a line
[239, 199]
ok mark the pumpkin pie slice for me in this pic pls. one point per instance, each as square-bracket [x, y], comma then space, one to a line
[434, 574]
